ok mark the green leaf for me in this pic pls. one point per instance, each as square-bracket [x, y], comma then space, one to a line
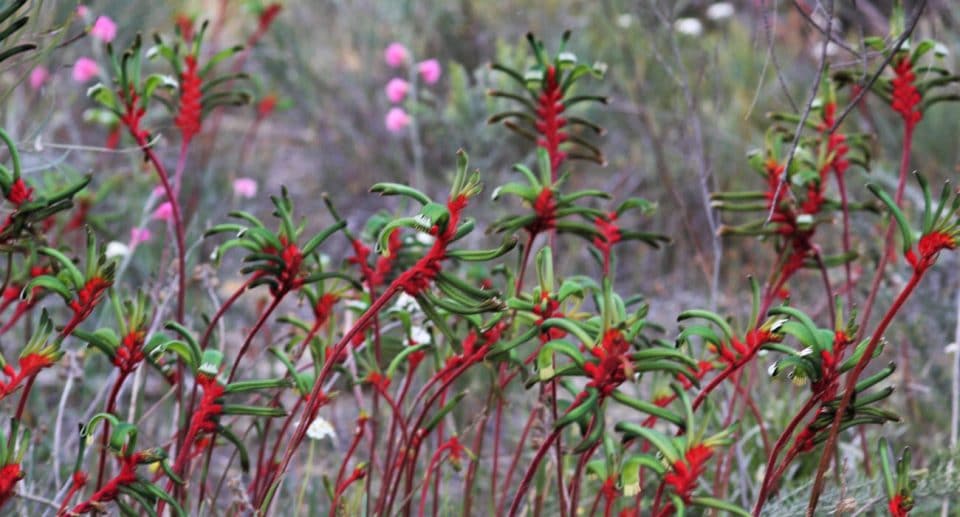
[397, 189]
[240, 409]
[448, 407]
[905, 231]
[663, 443]
[648, 408]
[710, 502]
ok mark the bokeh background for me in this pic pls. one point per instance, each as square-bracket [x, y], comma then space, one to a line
[690, 87]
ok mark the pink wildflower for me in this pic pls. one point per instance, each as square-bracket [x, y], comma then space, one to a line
[104, 29]
[164, 212]
[85, 69]
[38, 76]
[397, 89]
[397, 120]
[245, 187]
[139, 235]
[396, 55]
[429, 70]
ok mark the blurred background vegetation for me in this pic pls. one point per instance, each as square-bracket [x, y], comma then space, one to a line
[686, 105]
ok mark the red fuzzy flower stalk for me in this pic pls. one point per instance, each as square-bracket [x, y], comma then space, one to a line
[940, 230]
[685, 472]
[545, 211]
[205, 418]
[609, 235]
[10, 474]
[905, 97]
[455, 452]
[443, 227]
[189, 116]
[10, 459]
[376, 275]
[267, 15]
[184, 24]
[133, 112]
[544, 120]
[13, 293]
[929, 246]
[130, 352]
[471, 352]
[613, 364]
[549, 307]
[899, 507]
[126, 481]
[550, 122]
[19, 193]
[38, 354]
[88, 297]
[266, 106]
[110, 491]
[291, 275]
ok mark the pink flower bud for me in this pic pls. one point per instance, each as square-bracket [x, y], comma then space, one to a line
[138, 236]
[85, 69]
[104, 29]
[82, 11]
[397, 120]
[397, 89]
[429, 70]
[164, 212]
[38, 76]
[245, 187]
[396, 55]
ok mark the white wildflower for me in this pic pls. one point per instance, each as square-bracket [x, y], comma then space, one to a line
[688, 26]
[720, 11]
[320, 428]
[116, 249]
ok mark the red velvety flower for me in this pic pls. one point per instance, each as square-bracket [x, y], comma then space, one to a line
[19, 192]
[611, 368]
[10, 474]
[928, 247]
[898, 506]
[189, 116]
[683, 478]
[905, 96]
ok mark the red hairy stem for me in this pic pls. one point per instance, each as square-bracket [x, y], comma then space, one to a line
[852, 378]
[722, 376]
[538, 457]
[23, 397]
[532, 470]
[253, 332]
[390, 464]
[558, 446]
[578, 473]
[719, 485]
[517, 453]
[497, 428]
[416, 434]
[754, 410]
[105, 434]
[314, 399]
[177, 228]
[478, 453]
[425, 485]
[209, 331]
[357, 436]
[769, 479]
[78, 482]
[905, 108]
